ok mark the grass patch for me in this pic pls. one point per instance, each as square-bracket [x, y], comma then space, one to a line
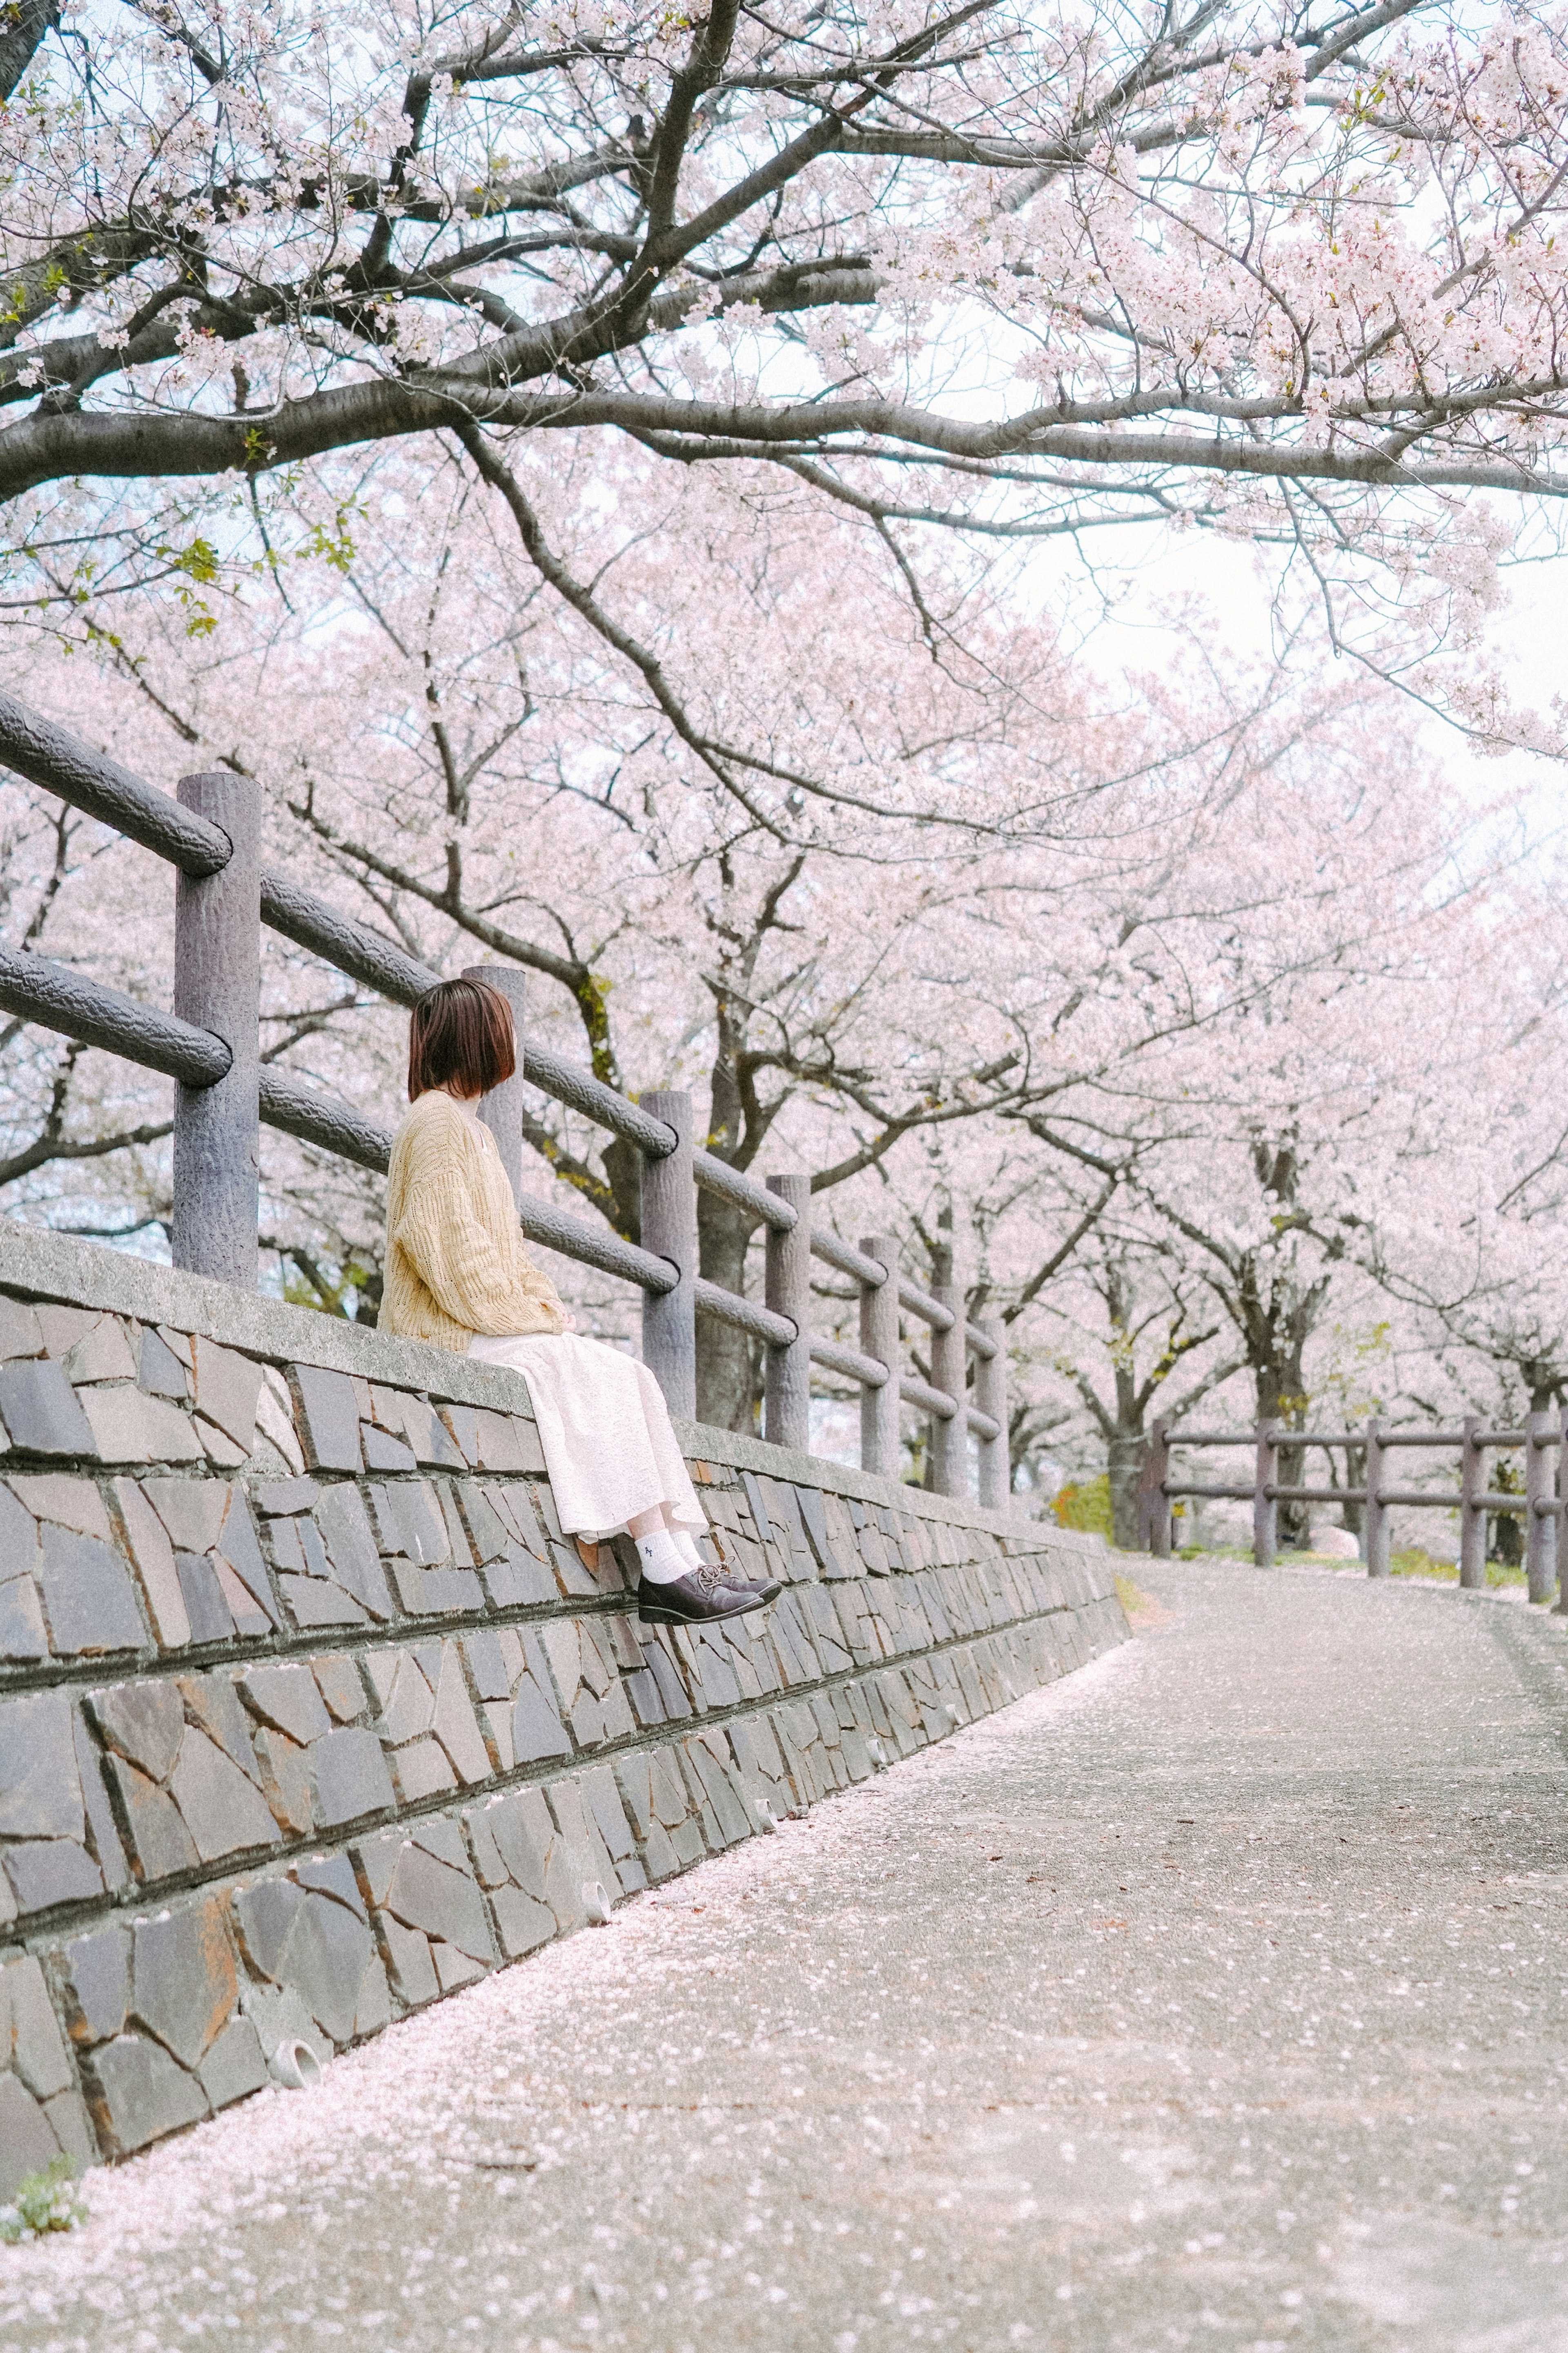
[48, 2201]
[1413, 1562]
[1417, 1563]
[1141, 1607]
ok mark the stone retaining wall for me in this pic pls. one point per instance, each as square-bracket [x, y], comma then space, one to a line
[309, 1713]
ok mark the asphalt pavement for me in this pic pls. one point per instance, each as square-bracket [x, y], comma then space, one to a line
[1217, 1997]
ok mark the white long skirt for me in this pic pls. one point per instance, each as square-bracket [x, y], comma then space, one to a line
[604, 1428]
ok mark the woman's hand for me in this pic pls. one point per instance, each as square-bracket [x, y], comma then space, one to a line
[568, 1320]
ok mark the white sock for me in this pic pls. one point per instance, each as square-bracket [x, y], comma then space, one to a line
[685, 1544]
[660, 1558]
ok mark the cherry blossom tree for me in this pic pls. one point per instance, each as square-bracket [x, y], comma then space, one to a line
[1013, 886]
[1250, 270]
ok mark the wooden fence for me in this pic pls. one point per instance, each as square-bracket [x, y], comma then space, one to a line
[1544, 1441]
[210, 1046]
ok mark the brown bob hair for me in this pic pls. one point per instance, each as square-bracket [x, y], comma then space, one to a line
[461, 1030]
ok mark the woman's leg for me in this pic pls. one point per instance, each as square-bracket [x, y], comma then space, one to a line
[661, 1558]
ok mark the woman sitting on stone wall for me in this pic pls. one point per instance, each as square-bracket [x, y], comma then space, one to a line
[458, 1273]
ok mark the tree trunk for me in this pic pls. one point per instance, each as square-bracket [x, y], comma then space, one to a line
[1281, 1396]
[1124, 1454]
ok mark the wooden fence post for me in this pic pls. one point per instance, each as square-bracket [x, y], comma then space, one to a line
[879, 1338]
[1540, 1528]
[1377, 1530]
[1264, 1509]
[991, 1396]
[1153, 1503]
[501, 1108]
[1472, 1511]
[949, 1371]
[788, 1280]
[217, 986]
[669, 1190]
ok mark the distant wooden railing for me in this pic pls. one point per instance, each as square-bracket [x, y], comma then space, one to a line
[210, 1045]
[1541, 1507]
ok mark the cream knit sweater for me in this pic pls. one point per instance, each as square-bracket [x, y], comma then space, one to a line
[454, 1260]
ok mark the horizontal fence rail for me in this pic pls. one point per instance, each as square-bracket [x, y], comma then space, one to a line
[1542, 1504]
[210, 1047]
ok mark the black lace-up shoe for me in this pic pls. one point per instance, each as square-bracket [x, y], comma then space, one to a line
[695, 1600]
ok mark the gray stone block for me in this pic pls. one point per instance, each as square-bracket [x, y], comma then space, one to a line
[94, 1977]
[50, 1872]
[213, 1703]
[522, 1863]
[35, 2048]
[235, 2066]
[350, 1547]
[40, 1795]
[136, 2092]
[238, 1549]
[437, 1592]
[427, 1435]
[221, 1807]
[206, 1612]
[409, 1521]
[455, 1725]
[185, 1984]
[587, 1856]
[20, 1332]
[441, 1900]
[89, 1599]
[160, 1843]
[23, 1634]
[321, 1602]
[18, 1536]
[608, 1815]
[39, 1410]
[158, 1371]
[281, 1497]
[63, 1326]
[375, 2010]
[264, 1915]
[67, 2113]
[661, 1664]
[414, 1979]
[288, 1698]
[338, 1681]
[487, 1666]
[537, 1731]
[153, 1557]
[226, 1387]
[129, 1425]
[328, 1418]
[333, 1875]
[518, 1581]
[318, 1947]
[330, 1951]
[28, 2139]
[144, 1721]
[102, 1829]
[286, 1780]
[384, 1453]
[350, 1776]
[462, 1426]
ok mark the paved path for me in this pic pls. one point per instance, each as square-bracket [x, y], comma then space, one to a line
[1214, 1998]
